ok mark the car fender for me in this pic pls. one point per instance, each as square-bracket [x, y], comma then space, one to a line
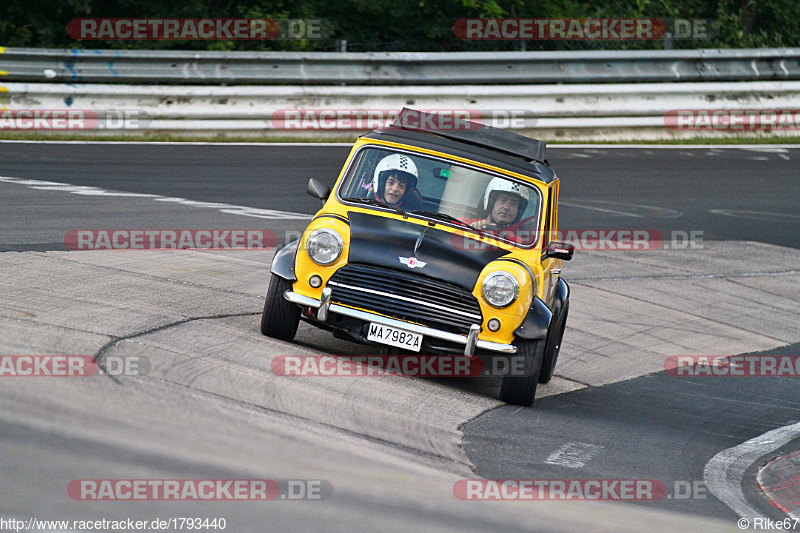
[561, 297]
[536, 322]
[283, 262]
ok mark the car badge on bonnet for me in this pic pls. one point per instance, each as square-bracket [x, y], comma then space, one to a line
[412, 262]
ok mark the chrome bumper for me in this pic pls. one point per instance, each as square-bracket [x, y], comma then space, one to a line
[470, 341]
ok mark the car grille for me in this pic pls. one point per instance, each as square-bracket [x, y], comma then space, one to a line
[405, 296]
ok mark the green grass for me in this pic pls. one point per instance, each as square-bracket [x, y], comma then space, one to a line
[220, 138]
[44, 136]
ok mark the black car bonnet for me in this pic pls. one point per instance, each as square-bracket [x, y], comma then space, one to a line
[438, 254]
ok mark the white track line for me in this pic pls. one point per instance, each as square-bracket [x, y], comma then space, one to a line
[724, 473]
[97, 191]
[601, 209]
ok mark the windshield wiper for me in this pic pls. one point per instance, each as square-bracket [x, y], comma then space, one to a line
[372, 201]
[448, 218]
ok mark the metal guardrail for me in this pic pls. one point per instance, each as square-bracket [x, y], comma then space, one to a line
[396, 68]
[600, 95]
[529, 101]
[598, 111]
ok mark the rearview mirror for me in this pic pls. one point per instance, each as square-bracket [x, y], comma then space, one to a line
[560, 250]
[316, 189]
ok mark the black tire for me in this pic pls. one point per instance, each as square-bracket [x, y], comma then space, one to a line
[521, 390]
[553, 347]
[280, 317]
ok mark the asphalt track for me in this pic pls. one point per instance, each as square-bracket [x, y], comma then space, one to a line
[746, 194]
[652, 426]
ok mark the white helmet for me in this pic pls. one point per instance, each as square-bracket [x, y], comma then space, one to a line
[500, 185]
[391, 164]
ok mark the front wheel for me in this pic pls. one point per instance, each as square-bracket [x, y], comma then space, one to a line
[553, 347]
[521, 390]
[280, 317]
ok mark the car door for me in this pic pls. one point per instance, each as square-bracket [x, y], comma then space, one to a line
[551, 267]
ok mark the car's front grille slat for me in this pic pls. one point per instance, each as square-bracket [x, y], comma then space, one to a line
[406, 296]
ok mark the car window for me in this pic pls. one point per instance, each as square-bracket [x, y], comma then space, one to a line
[444, 187]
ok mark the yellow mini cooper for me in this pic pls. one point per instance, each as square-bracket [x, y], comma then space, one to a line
[434, 240]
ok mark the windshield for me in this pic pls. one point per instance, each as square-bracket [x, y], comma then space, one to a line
[447, 192]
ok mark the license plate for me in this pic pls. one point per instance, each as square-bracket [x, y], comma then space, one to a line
[395, 337]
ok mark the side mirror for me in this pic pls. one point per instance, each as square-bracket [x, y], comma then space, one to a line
[560, 250]
[316, 189]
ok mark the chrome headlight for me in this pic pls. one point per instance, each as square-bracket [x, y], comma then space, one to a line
[500, 289]
[324, 246]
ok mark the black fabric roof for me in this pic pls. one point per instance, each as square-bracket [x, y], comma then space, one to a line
[430, 141]
[471, 132]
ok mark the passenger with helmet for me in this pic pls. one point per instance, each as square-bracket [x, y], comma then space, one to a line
[504, 203]
[394, 183]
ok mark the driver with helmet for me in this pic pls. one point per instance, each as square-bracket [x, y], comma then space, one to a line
[395, 183]
[504, 203]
